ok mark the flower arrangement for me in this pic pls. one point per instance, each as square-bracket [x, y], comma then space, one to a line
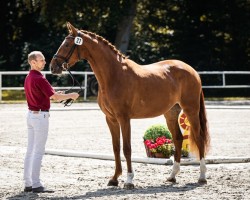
[158, 141]
[162, 145]
[156, 131]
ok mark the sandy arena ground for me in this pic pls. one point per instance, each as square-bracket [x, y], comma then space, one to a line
[84, 178]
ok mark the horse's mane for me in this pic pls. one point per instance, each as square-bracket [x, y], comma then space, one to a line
[112, 47]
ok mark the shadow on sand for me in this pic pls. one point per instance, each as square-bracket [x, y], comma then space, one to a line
[115, 191]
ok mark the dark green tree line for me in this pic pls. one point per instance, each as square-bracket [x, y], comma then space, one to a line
[209, 35]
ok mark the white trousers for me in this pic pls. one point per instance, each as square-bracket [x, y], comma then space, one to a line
[38, 126]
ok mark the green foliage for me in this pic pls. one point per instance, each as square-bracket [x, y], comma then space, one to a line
[156, 131]
[202, 33]
[209, 35]
[184, 153]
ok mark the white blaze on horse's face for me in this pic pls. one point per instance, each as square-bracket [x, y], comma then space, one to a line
[63, 42]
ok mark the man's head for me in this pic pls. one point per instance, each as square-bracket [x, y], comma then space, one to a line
[36, 60]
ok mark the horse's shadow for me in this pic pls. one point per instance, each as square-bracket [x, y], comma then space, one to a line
[145, 191]
[118, 191]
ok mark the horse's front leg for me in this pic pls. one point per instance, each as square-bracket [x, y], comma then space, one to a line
[114, 128]
[126, 135]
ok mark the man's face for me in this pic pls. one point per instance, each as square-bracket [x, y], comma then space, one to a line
[40, 62]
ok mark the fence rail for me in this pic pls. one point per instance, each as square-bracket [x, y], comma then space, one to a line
[86, 74]
[85, 87]
[223, 74]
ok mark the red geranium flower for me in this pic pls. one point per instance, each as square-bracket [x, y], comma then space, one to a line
[161, 144]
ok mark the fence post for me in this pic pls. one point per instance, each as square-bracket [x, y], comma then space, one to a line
[1, 87]
[85, 86]
[223, 79]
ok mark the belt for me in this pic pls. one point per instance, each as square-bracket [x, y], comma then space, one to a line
[37, 111]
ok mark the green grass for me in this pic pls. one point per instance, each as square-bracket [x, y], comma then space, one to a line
[227, 98]
[13, 95]
[18, 96]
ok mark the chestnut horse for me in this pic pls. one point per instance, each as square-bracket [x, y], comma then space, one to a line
[128, 91]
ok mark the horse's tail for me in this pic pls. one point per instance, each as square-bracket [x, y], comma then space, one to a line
[204, 124]
[204, 139]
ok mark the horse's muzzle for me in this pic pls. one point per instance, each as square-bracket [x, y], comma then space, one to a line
[55, 69]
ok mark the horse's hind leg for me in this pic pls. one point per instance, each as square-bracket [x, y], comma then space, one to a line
[172, 122]
[196, 139]
[115, 133]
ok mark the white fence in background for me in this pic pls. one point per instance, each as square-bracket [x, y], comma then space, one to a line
[84, 87]
[223, 74]
[86, 74]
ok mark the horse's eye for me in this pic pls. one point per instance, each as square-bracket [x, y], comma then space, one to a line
[67, 45]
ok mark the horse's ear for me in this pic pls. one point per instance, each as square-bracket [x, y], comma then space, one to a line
[72, 29]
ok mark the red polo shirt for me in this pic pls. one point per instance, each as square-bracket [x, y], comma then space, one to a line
[38, 91]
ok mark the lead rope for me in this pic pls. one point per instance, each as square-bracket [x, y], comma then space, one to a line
[68, 102]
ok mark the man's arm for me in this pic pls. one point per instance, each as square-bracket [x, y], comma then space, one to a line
[58, 96]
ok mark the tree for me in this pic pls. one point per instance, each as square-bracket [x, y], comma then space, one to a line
[11, 32]
[209, 35]
[124, 27]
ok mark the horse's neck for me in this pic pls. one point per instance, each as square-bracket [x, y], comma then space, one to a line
[103, 60]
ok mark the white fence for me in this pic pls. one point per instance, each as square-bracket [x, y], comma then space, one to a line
[86, 74]
[223, 74]
[84, 87]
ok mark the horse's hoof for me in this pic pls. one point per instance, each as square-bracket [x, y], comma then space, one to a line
[170, 179]
[129, 186]
[202, 181]
[113, 183]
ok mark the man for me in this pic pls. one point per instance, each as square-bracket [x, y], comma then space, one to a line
[38, 93]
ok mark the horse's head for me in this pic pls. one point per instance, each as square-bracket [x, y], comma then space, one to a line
[68, 53]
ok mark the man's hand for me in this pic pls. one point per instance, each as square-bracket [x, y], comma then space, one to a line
[74, 95]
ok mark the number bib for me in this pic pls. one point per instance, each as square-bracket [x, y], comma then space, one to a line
[78, 40]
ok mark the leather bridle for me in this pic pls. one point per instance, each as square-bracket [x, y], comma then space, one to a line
[65, 66]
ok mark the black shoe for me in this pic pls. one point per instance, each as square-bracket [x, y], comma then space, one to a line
[41, 189]
[28, 189]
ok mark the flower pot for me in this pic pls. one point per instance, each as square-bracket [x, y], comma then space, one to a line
[148, 152]
[166, 151]
[160, 155]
